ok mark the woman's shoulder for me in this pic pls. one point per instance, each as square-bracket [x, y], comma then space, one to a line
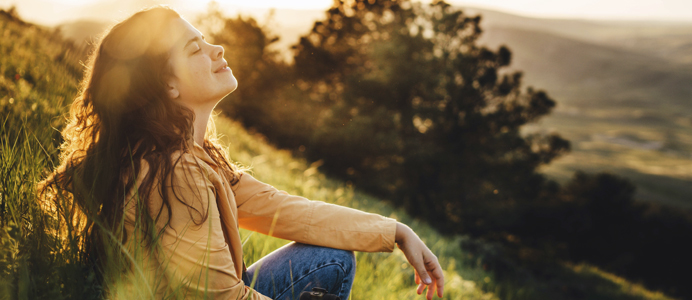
[177, 161]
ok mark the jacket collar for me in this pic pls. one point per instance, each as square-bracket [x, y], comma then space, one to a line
[199, 152]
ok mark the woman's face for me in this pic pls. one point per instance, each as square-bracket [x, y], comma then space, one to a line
[201, 76]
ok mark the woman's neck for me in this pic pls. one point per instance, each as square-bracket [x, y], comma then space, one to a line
[202, 115]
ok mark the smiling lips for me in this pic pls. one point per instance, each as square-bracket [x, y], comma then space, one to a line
[223, 68]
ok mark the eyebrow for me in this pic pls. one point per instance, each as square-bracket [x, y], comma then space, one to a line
[194, 39]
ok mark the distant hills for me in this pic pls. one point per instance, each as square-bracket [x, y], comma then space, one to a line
[83, 31]
[597, 62]
[618, 85]
[668, 40]
[580, 73]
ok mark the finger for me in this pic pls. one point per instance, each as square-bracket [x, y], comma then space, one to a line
[421, 270]
[439, 278]
[417, 277]
[431, 292]
[440, 287]
[420, 289]
[433, 268]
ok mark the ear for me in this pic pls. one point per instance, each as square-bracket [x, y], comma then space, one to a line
[172, 89]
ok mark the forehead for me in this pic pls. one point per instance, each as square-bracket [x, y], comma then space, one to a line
[178, 33]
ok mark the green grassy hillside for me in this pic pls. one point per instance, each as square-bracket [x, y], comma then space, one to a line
[39, 74]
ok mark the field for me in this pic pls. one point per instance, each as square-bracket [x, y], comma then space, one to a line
[623, 96]
[39, 75]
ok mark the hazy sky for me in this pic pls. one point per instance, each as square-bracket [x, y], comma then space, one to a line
[51, 12]
[610, 9]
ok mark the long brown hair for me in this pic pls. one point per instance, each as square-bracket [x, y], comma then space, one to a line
[121, 118]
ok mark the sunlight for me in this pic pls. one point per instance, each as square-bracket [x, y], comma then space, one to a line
[669, 10]
[54, 12]
[303, 4]
[73, 2]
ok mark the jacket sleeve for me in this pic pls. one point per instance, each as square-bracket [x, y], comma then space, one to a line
[310, 222]
[192, 249]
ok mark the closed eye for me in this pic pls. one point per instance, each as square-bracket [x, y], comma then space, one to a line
[196, 41]
[196, 51]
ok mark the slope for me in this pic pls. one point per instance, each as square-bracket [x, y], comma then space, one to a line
[625, 112]
[581, 73]
[667, 40]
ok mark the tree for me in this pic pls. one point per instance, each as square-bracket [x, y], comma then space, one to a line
[414, 109]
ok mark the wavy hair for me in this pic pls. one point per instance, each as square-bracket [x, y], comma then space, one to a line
[121, 118]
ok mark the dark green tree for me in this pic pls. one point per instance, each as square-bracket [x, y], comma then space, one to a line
[414, 109]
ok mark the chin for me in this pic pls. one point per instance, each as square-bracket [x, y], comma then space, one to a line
[235, 83]
[230, 87]
[232, 83]
[233, 86]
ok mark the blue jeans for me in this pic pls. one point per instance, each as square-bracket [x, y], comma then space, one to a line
[295, 268]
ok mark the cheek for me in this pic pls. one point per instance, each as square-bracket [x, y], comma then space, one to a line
[191, 76]
[199, 72]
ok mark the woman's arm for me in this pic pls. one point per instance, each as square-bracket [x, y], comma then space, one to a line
[264, 209]
[324, 224]
[424, 262]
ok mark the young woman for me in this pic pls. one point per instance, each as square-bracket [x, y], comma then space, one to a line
[143, 167]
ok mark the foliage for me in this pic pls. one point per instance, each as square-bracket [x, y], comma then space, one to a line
[405, 104]
[598, 221]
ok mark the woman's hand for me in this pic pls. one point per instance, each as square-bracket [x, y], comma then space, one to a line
[424, 262]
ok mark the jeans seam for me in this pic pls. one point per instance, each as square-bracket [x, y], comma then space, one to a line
[349, 277]
[341, 290]
[313, 271]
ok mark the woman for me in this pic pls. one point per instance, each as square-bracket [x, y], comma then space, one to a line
[141, 162]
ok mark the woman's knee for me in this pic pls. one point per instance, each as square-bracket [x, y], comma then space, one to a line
[321, 256]
[315, 266]
[349, 259]
[345, 259]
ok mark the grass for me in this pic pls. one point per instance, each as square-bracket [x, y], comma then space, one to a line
[38, 259]
[379, 275]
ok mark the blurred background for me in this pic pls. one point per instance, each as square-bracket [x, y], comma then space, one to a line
[618, 70]
[551, 132]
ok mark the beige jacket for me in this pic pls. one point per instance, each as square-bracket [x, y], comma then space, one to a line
[188, 247]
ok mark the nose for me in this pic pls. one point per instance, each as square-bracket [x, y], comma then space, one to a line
[218, 52]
